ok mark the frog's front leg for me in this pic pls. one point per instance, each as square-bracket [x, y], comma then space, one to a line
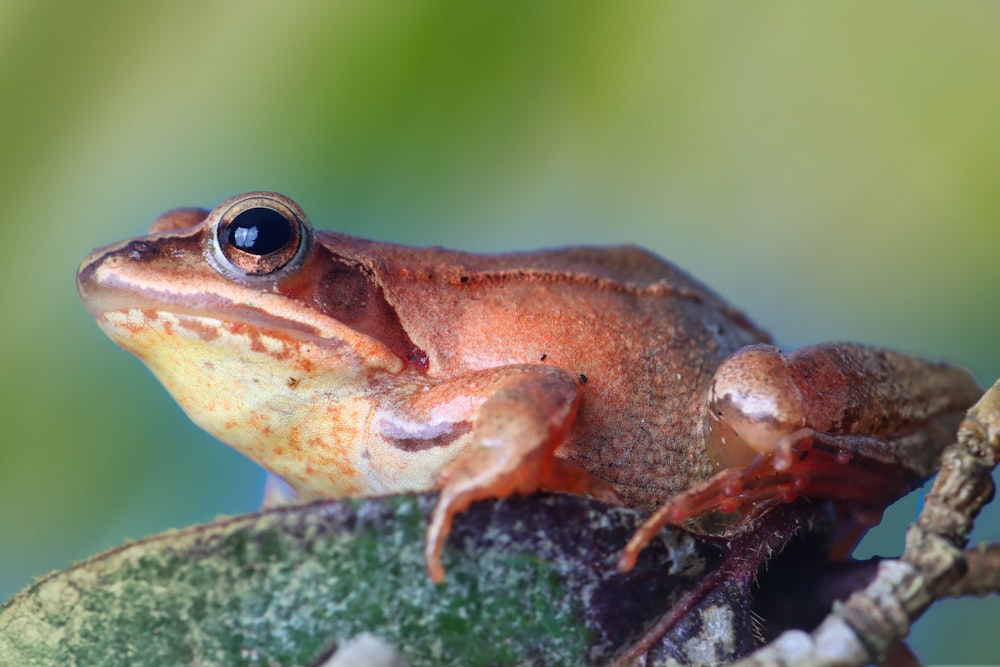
[855, 424]
[520, 415]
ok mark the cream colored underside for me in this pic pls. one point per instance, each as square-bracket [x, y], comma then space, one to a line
[299, 408]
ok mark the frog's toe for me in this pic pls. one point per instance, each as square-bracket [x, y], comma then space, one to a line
[668, 513]
[568, 477]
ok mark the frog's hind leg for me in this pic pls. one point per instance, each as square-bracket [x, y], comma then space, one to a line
[815, 465]
[855, 424]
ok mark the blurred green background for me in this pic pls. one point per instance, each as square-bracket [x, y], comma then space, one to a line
[831, 170]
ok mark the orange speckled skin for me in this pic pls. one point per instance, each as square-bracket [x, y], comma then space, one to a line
[354, 367]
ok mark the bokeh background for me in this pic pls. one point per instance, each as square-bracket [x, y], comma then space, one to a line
[831, 170]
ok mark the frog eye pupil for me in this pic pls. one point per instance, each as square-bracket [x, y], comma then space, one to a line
[260, 231]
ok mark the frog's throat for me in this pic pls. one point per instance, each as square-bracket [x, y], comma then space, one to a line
[293, 404]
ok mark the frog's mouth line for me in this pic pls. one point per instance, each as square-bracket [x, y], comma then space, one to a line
[116, 295]
[207, 314]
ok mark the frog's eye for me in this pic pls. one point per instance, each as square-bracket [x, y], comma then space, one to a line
[260, 234]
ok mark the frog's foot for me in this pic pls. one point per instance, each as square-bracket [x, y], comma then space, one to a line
[817, 466]
[514, 440]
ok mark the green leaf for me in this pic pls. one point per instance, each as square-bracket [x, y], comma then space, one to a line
[529, 581]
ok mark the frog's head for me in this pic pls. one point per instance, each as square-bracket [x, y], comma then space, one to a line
[245, 280]
[244, 313]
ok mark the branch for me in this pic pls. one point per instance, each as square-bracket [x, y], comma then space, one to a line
[983, 574]
[863, 629]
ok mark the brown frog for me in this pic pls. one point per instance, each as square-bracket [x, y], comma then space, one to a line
[351, 367]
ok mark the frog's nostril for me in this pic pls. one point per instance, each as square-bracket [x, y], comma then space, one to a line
[139, 250]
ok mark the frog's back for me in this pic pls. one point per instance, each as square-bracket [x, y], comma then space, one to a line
[625, 265]
[466, 310]
[625, 268]
[623, 284]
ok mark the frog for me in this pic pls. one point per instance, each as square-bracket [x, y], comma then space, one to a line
[350, 367]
